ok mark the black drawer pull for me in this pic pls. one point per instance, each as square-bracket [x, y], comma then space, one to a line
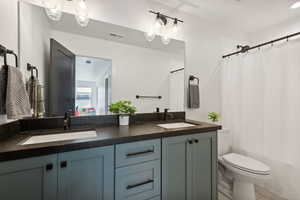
[49, 167]
[63, 164]
[139, 184]
[139, 153]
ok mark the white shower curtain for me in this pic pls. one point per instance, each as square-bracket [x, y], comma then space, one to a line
[261, 107]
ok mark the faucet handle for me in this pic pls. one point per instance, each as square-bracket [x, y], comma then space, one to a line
[71, 112]
[66, 115]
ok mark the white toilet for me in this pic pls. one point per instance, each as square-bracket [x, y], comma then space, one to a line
[244, 171]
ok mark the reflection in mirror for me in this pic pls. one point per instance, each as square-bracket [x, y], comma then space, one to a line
[87, 69]
[93, 85]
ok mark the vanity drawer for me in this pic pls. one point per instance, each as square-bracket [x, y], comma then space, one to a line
[137, 152]
[138, 182]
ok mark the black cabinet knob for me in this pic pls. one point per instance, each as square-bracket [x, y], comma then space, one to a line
[190, 141]
[196, 141]
[49, 167]
[63, 164]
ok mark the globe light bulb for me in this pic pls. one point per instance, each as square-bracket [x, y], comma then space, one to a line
[81, 10]
[295, 5]
[175, 27]
[53, 9]
[158, 24]
[150, 35]
[165, 40]
[165, 36]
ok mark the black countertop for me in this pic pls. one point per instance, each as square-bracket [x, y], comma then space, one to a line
[10, 148]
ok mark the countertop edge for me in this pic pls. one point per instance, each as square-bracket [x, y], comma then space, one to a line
[60, 148]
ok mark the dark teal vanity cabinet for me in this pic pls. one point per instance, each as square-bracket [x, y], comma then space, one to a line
[189, 166]
[168, 168]
[85, 174]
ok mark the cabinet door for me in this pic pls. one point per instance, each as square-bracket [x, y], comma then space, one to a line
[189, 166]
[202, 167]
[174, 168]
[29, 179]
[86, 174]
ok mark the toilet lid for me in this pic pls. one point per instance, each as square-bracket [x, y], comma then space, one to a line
[246, 164]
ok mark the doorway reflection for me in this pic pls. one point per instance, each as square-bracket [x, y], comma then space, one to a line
[93, 85]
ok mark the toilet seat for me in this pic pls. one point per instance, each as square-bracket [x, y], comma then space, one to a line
[246, 164]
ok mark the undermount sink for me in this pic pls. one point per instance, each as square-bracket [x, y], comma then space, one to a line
[176, 125]
[60, 137]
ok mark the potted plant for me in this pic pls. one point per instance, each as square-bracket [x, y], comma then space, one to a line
[124, 109]
[214, 117]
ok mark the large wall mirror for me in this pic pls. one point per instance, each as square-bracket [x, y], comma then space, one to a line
[87, 69]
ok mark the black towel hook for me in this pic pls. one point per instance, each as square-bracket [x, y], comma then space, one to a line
[32, 68]
[192, 78]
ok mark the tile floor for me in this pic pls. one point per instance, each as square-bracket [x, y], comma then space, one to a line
[261, 194]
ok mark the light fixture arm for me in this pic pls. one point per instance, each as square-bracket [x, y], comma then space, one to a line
[158, 14]
[162, 18]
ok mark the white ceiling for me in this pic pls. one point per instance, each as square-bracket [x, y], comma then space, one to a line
[91, 71]
[248, 15]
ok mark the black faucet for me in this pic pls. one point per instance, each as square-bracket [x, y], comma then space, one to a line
[157, 110]
[67, 121]
[166, 114]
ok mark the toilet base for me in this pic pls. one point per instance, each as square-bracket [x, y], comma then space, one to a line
[243, 191]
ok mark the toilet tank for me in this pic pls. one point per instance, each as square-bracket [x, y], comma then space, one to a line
[224, 142]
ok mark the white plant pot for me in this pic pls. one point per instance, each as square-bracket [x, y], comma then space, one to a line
[124, 120]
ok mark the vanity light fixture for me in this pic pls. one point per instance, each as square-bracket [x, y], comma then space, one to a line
[54, 10]
[295, 5]
[163, 28]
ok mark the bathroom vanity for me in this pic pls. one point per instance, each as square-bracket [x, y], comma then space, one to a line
[86, 70]
[139, 162]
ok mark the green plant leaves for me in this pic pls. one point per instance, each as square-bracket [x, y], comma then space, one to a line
[122, 108]
[214, 116]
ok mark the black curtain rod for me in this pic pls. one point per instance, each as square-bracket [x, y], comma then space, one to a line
[247, 48]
